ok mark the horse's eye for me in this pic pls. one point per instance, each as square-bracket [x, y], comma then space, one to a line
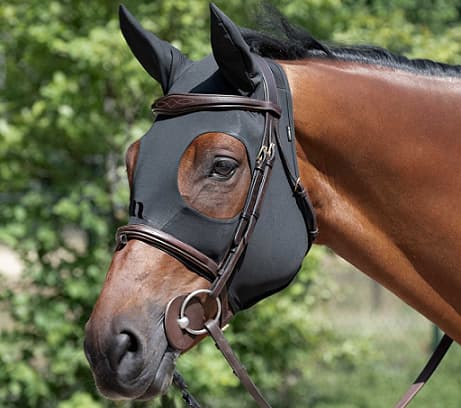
[223, 168]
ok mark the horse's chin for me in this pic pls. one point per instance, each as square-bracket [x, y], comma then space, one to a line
[162, 378]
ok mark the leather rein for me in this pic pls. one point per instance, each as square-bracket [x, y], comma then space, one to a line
[206, 311]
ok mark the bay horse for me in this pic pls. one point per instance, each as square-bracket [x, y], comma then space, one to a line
[377, 147]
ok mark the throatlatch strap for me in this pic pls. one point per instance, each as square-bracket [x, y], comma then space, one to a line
[427, 371]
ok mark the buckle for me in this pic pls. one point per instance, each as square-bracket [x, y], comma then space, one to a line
[298, 187]
[265, 153]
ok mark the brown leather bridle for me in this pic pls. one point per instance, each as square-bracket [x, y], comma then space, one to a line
[206, 311]
[191, 316]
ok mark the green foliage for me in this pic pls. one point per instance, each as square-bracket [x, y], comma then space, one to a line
[72, 99]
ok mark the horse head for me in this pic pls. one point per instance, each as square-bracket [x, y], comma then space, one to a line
[195, 179]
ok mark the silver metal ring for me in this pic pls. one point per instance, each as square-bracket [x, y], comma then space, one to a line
[183, 319]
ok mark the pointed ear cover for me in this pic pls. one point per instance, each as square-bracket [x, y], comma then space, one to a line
[232, 53]
[159, 58]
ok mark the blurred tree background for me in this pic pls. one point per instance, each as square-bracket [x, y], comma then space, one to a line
[72, 98]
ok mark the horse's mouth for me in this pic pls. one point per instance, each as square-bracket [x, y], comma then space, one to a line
[146, 386]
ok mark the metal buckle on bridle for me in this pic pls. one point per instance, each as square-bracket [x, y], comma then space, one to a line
[297, 187]
[265, 153]
[121, 239]
[183, 320]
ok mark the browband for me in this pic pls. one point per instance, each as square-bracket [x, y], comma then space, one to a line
[181, 103]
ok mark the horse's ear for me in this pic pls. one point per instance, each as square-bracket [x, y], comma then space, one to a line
[159, 58]
[232, 53]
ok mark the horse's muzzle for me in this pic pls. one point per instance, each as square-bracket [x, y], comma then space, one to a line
[128, 359]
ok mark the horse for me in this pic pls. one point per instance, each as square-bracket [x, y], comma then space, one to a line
[372, 137]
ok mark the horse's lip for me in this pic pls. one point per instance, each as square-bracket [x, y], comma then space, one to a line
[163, 377]
[141, 388]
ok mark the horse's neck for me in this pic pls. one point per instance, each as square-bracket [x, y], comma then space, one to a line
[379, 152]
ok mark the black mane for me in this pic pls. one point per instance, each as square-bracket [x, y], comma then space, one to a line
[287, 42]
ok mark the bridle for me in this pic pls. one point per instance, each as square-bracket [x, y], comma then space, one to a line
[206, 311]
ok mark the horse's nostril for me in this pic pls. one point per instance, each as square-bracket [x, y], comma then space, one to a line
[132, 344]
[122, 344]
